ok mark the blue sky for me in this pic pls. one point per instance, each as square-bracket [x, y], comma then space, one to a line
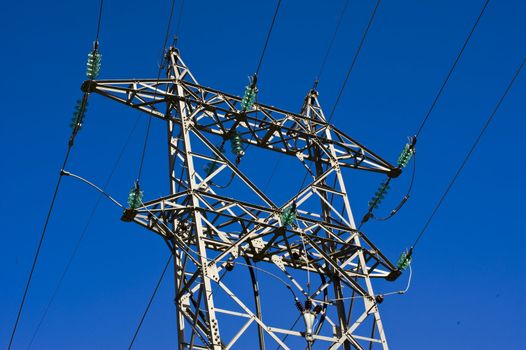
[468, 285]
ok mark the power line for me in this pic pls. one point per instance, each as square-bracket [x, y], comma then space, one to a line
[355, 57]
[254, 80]
[37, 252]
[356, 54]
[291, 328]
[165, 42]
[318, 76]
[268, 36]
[148, 127]
[83, 233]
[99, 21]
[76, 129]
[179, 19]
[369, 214]
[113, 170]
[331, 42]
[150, 302]
[468, 155]
[451, 69]
[179, 184]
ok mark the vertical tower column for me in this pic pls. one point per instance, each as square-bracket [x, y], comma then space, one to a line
[178, 71]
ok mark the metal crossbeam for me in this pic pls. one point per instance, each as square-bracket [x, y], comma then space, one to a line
[215, 112]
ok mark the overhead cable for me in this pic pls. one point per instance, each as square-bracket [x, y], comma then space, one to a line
[75, 129]
[451, 69]
[331, 42]
[355, 57]
[411, 145]
[150, 301]
[268, 36]
[468, 156]
[148, 126]
[82, 235]
[99, 20]
[37, 252]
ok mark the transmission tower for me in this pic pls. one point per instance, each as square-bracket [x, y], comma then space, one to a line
[213, 234]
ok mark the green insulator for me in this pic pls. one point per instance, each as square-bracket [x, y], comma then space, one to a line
[404, 261]
[237, 145]
[211, 167]
[93, 64]
[375, 202]
[405, 155]
[247, 102]
[288, 216]
[135, 197]
[78, 115]
[379, 195]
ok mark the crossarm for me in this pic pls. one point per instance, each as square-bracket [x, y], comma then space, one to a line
[268, 127]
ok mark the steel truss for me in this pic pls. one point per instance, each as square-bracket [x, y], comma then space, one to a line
[210, 232]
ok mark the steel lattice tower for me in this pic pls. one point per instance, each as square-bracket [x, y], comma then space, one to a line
[210, 233]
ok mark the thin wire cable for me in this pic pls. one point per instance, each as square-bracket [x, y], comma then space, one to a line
[399, 292]
[272, 173]
[276, 11]
[83, 233]
[409, 279]
[432, 107]
[268, 37]
[150, 301]
[91, 184]
[37, 252]
[288, 286]
[331, 42]
[318, 77]
[287, 335]
[99, 21]
[168, 27]
[356, 54]
[451, 69]
[50, 210]
[468, 155]
[179, 19]
[148, 127]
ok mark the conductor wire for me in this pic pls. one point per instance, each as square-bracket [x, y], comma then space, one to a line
[468, 156]
[268, 37]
